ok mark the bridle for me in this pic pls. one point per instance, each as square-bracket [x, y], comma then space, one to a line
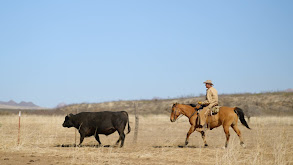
[179, 116]
[180, 113]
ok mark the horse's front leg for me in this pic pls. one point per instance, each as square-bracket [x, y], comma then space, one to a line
[191, 129]
[204, 138]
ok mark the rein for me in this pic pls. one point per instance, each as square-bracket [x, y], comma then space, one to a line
[195, 111]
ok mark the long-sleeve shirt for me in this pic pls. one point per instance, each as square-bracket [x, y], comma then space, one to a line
[211, 97]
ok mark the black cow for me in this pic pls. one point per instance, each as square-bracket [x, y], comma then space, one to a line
[95, 123]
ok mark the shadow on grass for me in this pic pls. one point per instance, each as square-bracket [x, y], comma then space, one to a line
[179, 146]
[114, 146]
[93, 146]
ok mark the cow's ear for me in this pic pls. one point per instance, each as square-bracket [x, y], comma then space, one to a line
[70, 115]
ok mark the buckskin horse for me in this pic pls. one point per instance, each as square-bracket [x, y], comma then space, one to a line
[227, 116]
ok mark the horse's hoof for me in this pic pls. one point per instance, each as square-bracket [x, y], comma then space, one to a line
[224, 148]
[206, 145]
[243, 145]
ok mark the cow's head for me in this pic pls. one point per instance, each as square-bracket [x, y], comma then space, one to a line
[68, 121]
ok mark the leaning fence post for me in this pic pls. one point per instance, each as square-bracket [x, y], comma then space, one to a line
[136, 123]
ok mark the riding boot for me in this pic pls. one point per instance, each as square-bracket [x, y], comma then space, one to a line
[201, 120]
[199, 128]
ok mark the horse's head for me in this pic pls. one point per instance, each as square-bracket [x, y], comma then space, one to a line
[175, 113]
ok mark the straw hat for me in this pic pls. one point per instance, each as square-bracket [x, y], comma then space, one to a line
[208, 82]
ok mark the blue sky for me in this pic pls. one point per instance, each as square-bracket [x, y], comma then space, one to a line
[96, 51]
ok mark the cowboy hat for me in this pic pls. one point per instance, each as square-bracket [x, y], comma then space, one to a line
[208, 82]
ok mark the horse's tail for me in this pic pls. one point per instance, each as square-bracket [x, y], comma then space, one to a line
[240, 114]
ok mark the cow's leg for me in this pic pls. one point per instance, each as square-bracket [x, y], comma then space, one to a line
[98, 138]
[191, 129]
[81, 138]
[120, 129]
[118, 140]
[122, 137]
[204, 138]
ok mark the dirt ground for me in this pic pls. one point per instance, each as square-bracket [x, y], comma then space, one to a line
[43, 140]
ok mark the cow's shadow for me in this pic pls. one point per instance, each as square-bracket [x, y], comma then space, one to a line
[86, 145]
[179, 146]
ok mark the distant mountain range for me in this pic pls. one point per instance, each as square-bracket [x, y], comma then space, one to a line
[14, 105]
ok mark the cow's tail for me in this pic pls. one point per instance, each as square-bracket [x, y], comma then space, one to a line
[129, 129]
[240, 114]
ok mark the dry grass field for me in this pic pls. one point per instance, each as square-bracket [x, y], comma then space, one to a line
[159, 142]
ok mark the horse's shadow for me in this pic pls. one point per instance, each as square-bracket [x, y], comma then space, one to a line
[179, 146]
[115, 146]
[86, 145]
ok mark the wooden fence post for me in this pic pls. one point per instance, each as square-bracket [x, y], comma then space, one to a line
[18, 139]
[136, 123]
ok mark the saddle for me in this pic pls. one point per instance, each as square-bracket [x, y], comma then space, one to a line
[215, 110]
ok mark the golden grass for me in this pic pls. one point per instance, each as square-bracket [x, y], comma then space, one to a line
[269, 142]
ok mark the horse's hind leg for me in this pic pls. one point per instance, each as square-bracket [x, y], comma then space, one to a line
[226, 130]
[236, 129]
[204, 138]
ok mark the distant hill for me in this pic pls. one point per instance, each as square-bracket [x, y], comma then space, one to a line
[260, 104]
[22, 105]
[253, 104]
[60, 105]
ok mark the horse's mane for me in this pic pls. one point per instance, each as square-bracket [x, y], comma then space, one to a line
[193, 105]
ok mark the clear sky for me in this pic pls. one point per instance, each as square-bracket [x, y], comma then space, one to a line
[94, 51]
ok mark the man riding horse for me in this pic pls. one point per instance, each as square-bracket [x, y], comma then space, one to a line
[226, 116]
[209, 103]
